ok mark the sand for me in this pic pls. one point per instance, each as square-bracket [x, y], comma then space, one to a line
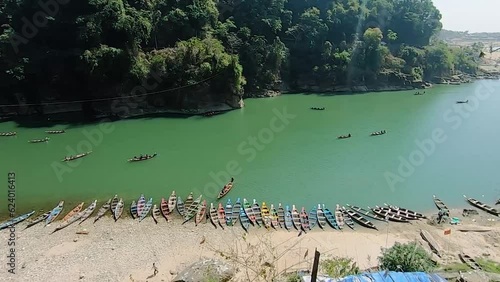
[126, 250]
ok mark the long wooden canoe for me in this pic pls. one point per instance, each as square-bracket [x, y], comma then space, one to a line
[54, 213]
[102, 210]
[38, 219]
[114, 203]
[46, 139]
[288, 219]
[236, 210]
[55, 131]
[313, 218]
[86, 213]
[330, 218]
[144, 158]
[213, 215]
[405, 211]
[433, 244]
[187, 203]
[133, 209]
[249, 211]
[16, 220]
[118, 209]
[146, 209]
[482, 206]
[192, 209]
[274, 218]
[264, 210]
[73, 218]
[440, 205]
[201, 214]
[226, 189]
[304, 220]
[141, 203]
[339, 217]
[221, 215]
[360, 219]
[398, 213]
[320, 215]
[256, 212]
[6, 134]
[367, 213]
[164, 208]
[469, 261]
[347, 219]
[72, 158]
[281, 215]
[180, 206]
[172, 202]
[74, 211]
[296, 218]
[156, 213]
[389, 215]
[245, 222]
[229, 212]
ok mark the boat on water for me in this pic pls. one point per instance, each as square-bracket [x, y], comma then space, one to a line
[339, 217]
[389, 215]
[74, 211]
[360, 219]
[288, 219]
[192, 209]
[463, 102]
[304, 220]
[318, 108]
[55, 131]
[406, 211]
[141, 203]
[37, 219]
[213, 215]
[156, 213]
[320, 215]
[245, 222]
[54, 213]
[330, 218]
[201, 213]
[440, 205]
[172, 202]
[46, 139]
[226, 189]
[142, 158]
[264, 210]
[147, 208]
[398, 213]
[347, 219]
[164, 208]
[229, 213]
[296, 218]
[187, 203]
[274, 218]
[313, 218]
[6, 134]
[256, 212]
[86, 213]
[469, 261]
[377, 133]
[281, 215]
[367, 213]
[482, 206]
[221, 215]
[118, 209]
[15, 220]
[344, 136]
[72, 158]
[133, 209]
[102, 210]
[249, 211]
[236, 210]
[180, 206]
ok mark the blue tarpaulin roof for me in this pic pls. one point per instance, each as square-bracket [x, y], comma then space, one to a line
[390, 276]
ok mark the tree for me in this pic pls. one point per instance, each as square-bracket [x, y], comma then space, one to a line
[408, 257]
[338, 267]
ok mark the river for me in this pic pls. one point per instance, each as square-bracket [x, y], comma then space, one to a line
[278, 150]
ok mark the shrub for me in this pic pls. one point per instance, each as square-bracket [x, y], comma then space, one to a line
[406, 257]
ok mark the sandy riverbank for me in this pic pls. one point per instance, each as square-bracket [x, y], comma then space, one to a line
[127, 249]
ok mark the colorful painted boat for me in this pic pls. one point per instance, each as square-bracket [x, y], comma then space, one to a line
[156, 213]
[440, 205]
[46, 139]
[146, 209]
[221, 215]
[119, 209]
[264, 210]
[133, 210]
[102, 210]
[249, 211]
[245, 222]
[74, 211]
[236, 210]
[54, 213]
[360, 219]
[65, 223]
[38, 219]
[320, 214]
[296, 218]
[141, 203]
[192, 209]
[226, 189]
[256, 212]
[15, 220]
[180, 206]
[274, 218]
[330, 218]
[72, 158]
[229, 212]
[201, 214]
[482, 206]
[339, 217]
[313, 218]
[213, 215]
[304, 220]
[172, 202]
[367, 213]
[288, 219]
[114, 203]
[164, 208]
[187, 203]
[347, 219]
[281, 215]
[86, 213]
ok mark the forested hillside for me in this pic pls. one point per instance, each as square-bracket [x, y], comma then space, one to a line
[91, 49]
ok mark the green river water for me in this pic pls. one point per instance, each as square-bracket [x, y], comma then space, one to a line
[278, 150]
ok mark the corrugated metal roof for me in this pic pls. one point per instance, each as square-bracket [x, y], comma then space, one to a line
[391, 276]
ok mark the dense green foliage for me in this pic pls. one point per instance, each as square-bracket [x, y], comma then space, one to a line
[339, 267]
[95, 48]
[409, 257]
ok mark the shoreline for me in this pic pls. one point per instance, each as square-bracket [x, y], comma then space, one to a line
[119, 251]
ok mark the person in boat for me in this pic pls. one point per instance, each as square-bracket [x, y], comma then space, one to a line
[349, 135]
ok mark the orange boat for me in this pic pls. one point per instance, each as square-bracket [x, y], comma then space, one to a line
[164, 208]
[226, 189]
[201, 213]
[77, 209]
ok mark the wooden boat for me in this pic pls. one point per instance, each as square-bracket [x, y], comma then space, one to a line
[46, 139]
[274, 218]
[55, 131]
[313, 218]
[320, 216]
[256, 212]
[469, 261]
[435, 247]
[114, 203]
[74, 211]
[156, 213]
[172, 202]
[6, 134]
[318, 108]
[330, 218]
[344, 136]
[398, 213]
[367, 213]
[347, 219]
[482, 206]
[281, 215]
[133, 210]
[88, 211]
[245, 222]
[249, 211]
[180, 206]
[102, 210]
[377, 133]
[440, 205]
[463, 102]
[213, 215]
[229, 212]
[146, 209]
[15, 220]
[37, 219]
[236, 210]
[264, 210]
[296, 218]
[360, 219]
[142, 158]
[221, 215]
[226, 189]
[304, 220]
[119, 209]
[141, 203]
[288, 219]
[201, 214]
[339, 217]
[406, 211]
[187, 203]
[212, 113]
[73, 218]
[389, 215]
[71, 158]
[164, 208]
[192, 209]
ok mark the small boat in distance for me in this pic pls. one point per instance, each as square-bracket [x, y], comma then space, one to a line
[440, 205]
[102, 210]
[46, 139]
[16, 220]
[71, 158]
[482, 206]
[344, 136]
[463, 102]
[55, 131]
[377, 133]
[6, 134]
[226, 189]
[469, 261]
[37, 219]
[318, 108]
[142, 158]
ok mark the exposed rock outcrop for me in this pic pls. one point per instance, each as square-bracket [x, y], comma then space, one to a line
[206, 270]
